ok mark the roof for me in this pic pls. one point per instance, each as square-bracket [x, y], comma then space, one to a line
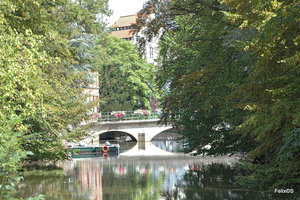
[125, 21]
[123, 33]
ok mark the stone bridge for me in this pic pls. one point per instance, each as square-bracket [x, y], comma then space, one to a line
[141, 130]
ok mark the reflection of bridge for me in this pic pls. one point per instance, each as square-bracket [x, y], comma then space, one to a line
[140, 130]
[146, 149]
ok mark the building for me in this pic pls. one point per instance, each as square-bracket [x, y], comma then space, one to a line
[122, 28]
[91, 93]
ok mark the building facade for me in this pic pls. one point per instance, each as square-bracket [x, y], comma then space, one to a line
[122, 28]
[91, 93]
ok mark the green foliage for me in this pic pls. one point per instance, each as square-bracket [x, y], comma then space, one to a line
[126, 80]
[291, 145]
[38, 82]
[233, 64]
[19, 94]
[45, 172]
[272, 91]
[214, 181]
[11, 154]
[88, 16]
[200, 67]
[268, 178]
[114, 91]
[39, 89]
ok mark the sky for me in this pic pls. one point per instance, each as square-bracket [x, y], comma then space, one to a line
[123, 8]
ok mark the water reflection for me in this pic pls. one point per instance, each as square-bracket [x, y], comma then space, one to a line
[146, 149]
[144, 171]
[215, 181]
[168, 145]
[109, 179]
[141, 178]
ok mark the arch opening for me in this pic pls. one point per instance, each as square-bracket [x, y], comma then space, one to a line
[169, 134]
[117, 136]
[168, 140]
[124, 139]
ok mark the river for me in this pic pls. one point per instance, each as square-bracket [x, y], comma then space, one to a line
[148, 171]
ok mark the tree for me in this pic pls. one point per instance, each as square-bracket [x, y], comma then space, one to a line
[271, 93]
[10, 155]
[19, 93]
[46, 89]
[39, 90]
[84, 31]
[199, 67]
[126, 80]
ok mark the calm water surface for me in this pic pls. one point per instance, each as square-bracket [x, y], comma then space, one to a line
[139, 174]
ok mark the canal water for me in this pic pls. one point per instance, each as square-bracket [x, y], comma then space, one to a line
[150, 171]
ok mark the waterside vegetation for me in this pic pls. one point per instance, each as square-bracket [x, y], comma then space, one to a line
[47, 58]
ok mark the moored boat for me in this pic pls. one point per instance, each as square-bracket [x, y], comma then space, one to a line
[104, 155]
[115, 148]
[83, 149]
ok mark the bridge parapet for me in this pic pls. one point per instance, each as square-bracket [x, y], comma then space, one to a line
[128, 115]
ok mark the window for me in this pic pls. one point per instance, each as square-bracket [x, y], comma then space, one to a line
[151, 52]
[137, 38]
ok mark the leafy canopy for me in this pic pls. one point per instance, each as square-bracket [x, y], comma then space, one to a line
[126, 80]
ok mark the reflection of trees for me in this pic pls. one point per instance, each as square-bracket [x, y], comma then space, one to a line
[51, 183]
[171, 195]
[126, 146]
[138, 184]
[208, 176]
[215, 181]
[92, 180]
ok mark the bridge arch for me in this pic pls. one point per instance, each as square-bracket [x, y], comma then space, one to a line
[169, 133]
[148, 128]
[114, 134]
[156, 131]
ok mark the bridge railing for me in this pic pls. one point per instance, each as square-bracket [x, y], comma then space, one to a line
[128, 115]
